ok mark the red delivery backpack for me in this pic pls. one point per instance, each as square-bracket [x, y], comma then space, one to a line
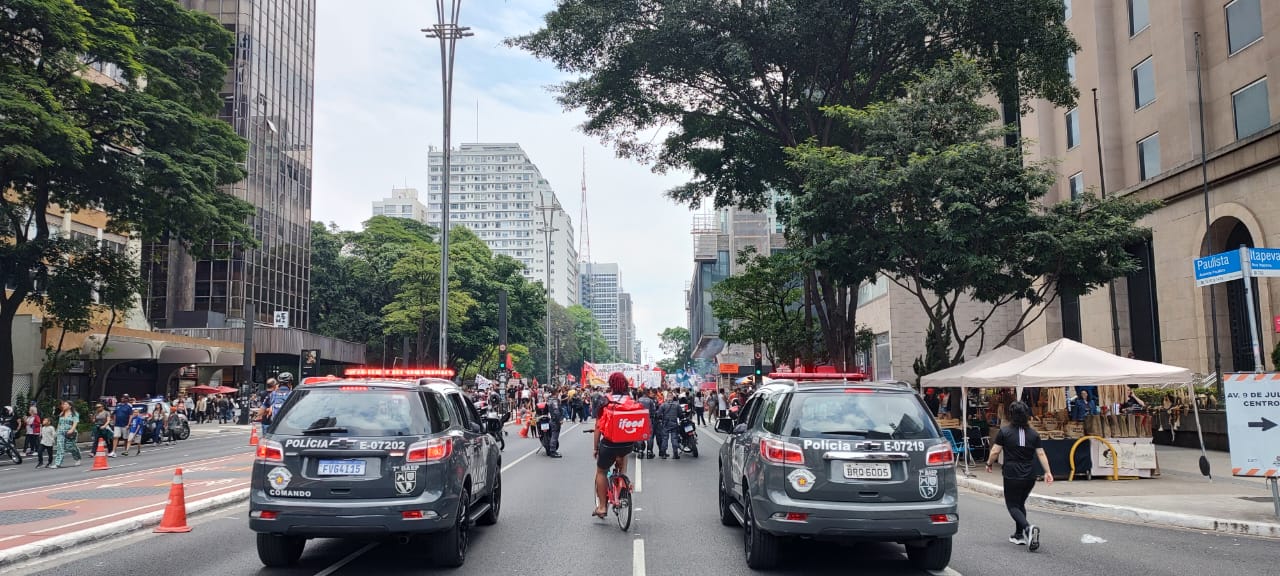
[626, 421]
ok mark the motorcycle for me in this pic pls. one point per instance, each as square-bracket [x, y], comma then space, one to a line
[688, 432]
[495, 423]
[543, 425]
[7, 446]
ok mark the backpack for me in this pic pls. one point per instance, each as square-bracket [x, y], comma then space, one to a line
[624, 422]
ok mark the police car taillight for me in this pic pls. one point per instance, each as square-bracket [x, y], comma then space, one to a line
[270, 452]
[940, 455]
[780, 452]
[431, 450]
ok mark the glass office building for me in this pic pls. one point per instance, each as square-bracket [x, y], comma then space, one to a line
[268, 98]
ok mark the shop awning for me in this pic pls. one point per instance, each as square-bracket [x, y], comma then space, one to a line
[165, 348]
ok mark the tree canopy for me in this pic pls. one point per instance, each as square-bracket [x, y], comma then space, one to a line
[676, 343]
[721, 89]
[110, 106]
[948, 212]
[762, 305]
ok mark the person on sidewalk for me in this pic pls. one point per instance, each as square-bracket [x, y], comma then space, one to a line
[1020, 445]
[120, 421]
[33, 423]
[137, 426]
[48, 436]
[67, 432]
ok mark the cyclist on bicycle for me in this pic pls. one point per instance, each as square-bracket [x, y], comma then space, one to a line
[609, 450]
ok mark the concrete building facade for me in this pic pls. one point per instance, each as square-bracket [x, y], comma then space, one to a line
[498, 192]
[626, 329]
[601, 286]
[403, 203]
[1141, 58]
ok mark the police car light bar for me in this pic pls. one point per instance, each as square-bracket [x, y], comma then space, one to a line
[399, 373]
[798, 376]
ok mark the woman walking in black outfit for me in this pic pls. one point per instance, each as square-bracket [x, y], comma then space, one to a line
[1021, 447]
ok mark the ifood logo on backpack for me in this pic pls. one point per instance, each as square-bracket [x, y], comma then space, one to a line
[631, 425]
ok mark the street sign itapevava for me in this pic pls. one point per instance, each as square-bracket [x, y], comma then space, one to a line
[1264, 262]
[1253, 424]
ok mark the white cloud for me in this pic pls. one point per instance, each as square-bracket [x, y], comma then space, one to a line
[377, 109]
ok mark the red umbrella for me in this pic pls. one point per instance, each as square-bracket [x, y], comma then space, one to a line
[203, 390]
[226, 390]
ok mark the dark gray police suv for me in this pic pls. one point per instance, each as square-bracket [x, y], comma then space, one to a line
[371, 457]
[837, 460]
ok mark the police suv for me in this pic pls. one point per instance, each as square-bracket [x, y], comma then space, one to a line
[838, 459]
[375, 454]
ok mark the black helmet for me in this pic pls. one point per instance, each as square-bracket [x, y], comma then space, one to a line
[285, 378]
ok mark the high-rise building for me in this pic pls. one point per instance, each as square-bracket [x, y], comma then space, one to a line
[1144, 141]
[268, 99]
[403, 203]
[1141, 59]
[718, 237]
[604, 283]
[498, 192]
[626, 328]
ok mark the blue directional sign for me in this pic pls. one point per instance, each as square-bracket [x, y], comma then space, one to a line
[1264, 262]
[1218, 268]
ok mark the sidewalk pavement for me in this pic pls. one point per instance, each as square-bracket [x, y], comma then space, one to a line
[40, 521]
[1179, 497]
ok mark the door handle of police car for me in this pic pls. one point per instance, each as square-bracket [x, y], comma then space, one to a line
[867, 456]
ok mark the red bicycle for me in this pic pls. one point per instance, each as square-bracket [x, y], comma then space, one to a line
[619, 493]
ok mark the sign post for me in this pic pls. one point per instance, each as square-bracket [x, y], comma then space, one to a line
[1246, 265]
[1242, 264]
[1253, 416]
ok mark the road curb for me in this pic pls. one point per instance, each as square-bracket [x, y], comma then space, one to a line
[65, 542]
[1130, 514]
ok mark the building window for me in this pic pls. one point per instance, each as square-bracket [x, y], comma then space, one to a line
[1144, 83]
[1244, 24]
[1076, 184]
[1252, 112]
[1139, 16]
[1071, 68]
[1149, 156]
[1073, 128]
[884, 358]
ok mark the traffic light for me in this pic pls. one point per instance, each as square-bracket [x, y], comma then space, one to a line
[504, 359]
[759, 366]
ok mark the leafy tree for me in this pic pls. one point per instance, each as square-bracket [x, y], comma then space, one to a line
[730, 85]
[587, 335]
[676, 344]
[144, 147]
[955, 215]
[763, 305]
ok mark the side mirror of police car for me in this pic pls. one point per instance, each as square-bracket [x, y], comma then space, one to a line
[739, 429]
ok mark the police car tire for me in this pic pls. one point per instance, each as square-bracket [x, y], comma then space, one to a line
[495, 503]
[726, 515]
[449, 548]
[277, 551]
[935, 555]
[761, 547]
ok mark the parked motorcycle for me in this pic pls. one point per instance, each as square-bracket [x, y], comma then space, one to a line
[7, 446]
[543, 425]
[688, 431]
[495, 420]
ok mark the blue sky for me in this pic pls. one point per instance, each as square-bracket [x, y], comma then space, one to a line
[377, 108]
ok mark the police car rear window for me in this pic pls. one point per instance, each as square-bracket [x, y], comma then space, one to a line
[858, 415]
[338, 412]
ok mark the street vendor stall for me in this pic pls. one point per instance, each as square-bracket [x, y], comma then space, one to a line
[1067, 364]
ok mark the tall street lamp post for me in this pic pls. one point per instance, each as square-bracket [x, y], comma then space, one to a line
[548, 210]
[447, 32]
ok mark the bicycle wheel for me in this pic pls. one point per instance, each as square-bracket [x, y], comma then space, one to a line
[623, 510]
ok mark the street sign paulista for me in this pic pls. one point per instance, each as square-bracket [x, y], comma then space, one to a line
[1253, 409]
[1218, 268]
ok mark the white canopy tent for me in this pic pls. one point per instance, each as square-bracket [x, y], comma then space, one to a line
[951, 377]
[1069, 363]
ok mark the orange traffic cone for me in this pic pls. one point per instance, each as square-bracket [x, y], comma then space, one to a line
[175, 512]
[100, 456]
[253, 434]
[524, 430]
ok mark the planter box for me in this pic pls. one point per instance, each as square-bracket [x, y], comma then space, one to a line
[1213, 424]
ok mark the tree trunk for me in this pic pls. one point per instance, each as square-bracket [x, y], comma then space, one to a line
[8, 312]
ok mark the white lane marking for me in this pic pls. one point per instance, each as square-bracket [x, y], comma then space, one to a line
[635, 486]
[637, 557]
[945, 572]
[343, 562]
[11, 537]
[532, 452]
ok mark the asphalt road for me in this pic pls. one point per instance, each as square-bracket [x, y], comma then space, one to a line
[206, 441]
[545, 528]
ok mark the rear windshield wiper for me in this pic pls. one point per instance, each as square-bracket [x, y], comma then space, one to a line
[325, 430]
[846, 432]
